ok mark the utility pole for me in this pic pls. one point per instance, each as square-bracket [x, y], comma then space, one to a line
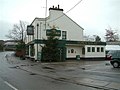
[45, 14]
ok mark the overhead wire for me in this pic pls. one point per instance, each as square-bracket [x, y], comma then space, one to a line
[67, 11]
[74, 6]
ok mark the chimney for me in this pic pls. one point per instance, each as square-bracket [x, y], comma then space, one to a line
[56, 8]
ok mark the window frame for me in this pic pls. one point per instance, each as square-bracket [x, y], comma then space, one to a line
[102, 49]
[98, 49]
[93, 49]
[88, 49]
[64, 35]
[72, 50]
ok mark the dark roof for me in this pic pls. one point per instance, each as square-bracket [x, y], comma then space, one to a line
[11, 41]
[113, 43]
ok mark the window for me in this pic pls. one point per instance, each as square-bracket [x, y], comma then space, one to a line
[102, 49]
[88, 49]
[72, 50]
[98, 49]
[68, 51]
[93, 49]
[83, 50]
[32, 50]
[64, 35]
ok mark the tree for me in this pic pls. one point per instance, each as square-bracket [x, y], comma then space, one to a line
[20, 50]
[1, 45]
[18, 31]
[111, 35]
[97, 39]
[92, 38]
[50, 49]
[18, 34]
[89, 38]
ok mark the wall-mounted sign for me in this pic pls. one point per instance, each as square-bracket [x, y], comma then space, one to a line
[49, 31]
[30, 30]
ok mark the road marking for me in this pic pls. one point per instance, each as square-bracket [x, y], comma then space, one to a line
[10, 85]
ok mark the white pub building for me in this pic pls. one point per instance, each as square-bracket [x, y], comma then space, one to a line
[70, 34]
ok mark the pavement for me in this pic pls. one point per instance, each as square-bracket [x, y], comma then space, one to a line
[53, 70]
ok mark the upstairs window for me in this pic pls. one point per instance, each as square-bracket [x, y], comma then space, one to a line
[64, 35]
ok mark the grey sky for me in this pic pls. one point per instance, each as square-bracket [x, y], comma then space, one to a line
[93, 15]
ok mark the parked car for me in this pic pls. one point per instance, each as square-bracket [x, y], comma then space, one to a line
[115, 62]
[115, 58]
[109, 55]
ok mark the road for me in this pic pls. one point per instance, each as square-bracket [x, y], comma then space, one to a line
[16, 79]
[16, 74]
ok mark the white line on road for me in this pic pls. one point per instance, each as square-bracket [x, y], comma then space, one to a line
[10, 85]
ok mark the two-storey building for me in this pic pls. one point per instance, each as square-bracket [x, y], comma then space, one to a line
[70, 34]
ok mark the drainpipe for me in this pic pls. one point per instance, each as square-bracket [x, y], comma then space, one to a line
[37, 40]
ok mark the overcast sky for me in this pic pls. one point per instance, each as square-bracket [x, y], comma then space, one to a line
[93, 15]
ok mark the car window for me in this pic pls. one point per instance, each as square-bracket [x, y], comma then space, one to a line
[114, 54]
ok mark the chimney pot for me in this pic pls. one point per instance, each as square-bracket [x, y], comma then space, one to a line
[58, 6]
[53, 6]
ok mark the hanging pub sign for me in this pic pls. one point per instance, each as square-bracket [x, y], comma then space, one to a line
[30, 30]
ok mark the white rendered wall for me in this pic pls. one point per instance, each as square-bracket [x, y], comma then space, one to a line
[64, 23]
[94, 54]
[74, 31]
[77, 51]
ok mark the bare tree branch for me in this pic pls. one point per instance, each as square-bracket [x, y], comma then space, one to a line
[111, 35]
[18, 31]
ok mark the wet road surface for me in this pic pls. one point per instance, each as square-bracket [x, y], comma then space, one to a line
[16, 74]
[13, 78]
